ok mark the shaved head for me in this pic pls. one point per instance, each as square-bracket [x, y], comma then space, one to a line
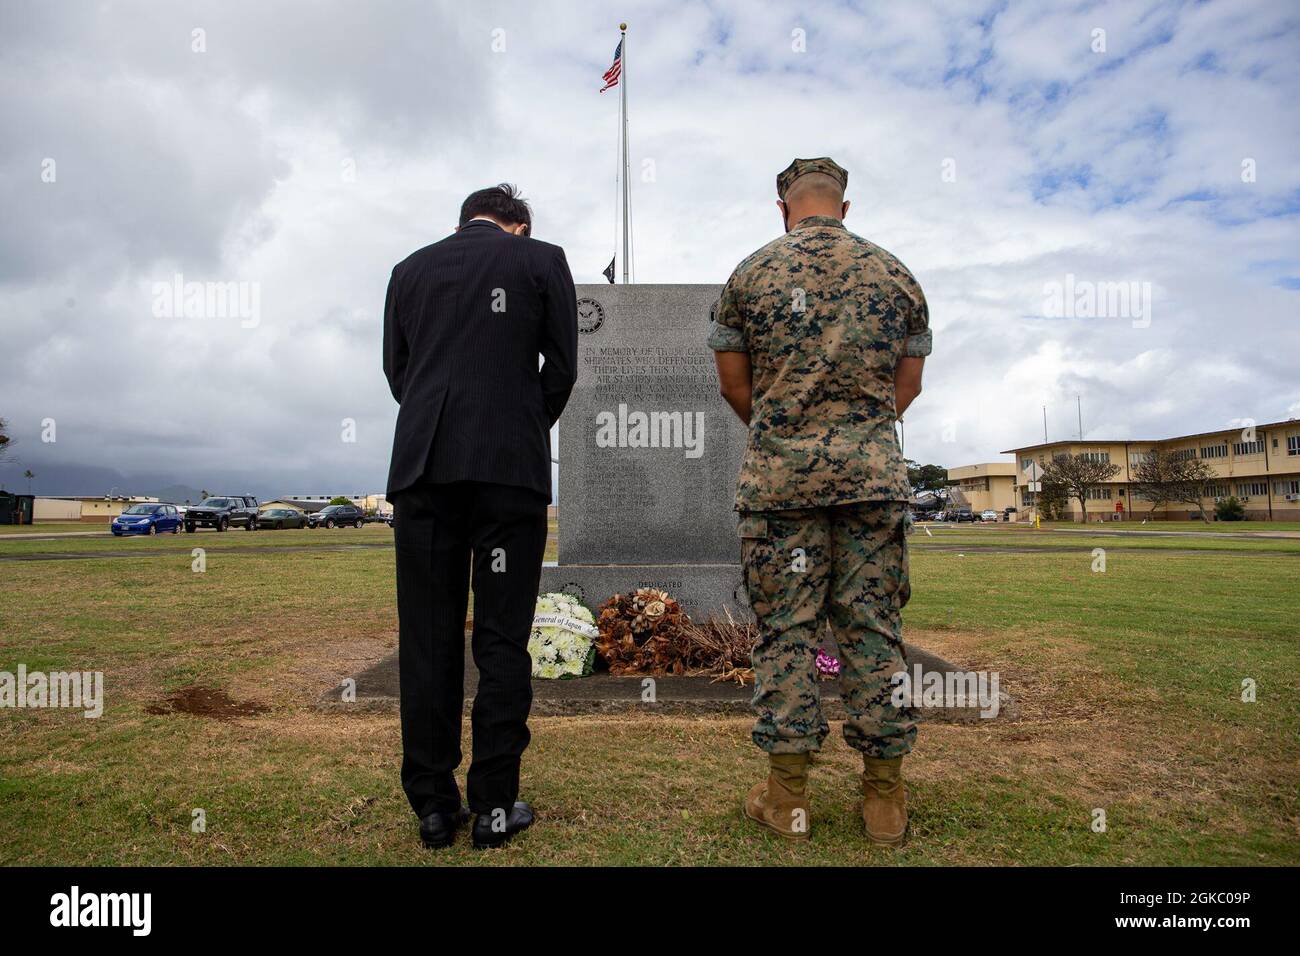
[815, 187]
[812, 194]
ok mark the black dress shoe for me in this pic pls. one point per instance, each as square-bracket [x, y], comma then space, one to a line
[487, 835]
[437, 830]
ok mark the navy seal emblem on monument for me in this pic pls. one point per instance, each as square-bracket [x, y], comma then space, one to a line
[591, 316]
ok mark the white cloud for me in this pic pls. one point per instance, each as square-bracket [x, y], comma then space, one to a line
[227, 165]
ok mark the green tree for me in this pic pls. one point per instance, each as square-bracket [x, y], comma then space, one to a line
[1152, 477]
[1077, 475]
[1052, 500]
[6, 442]
[340, 500]
[1189, 487]
[1162, 477]
[1229, 509]
[926, 477]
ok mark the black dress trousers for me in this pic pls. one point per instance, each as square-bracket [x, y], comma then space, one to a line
[448, 537]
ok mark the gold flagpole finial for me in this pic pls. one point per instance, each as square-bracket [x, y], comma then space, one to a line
[622, 26]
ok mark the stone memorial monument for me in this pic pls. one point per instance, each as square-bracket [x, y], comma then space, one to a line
[648, 454]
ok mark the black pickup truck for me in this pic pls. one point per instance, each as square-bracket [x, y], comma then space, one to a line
[222, 512]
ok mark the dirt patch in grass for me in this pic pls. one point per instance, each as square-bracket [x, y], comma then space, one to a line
[206, 702]
[303, 671]
[1050, 676]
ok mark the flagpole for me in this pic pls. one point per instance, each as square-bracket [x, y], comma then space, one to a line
[622, 82]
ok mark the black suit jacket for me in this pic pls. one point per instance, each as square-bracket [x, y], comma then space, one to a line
[464, 323]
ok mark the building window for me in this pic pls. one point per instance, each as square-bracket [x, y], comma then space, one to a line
[1099, 494]
[1183, 454]
[1287, 487]
[1214, 451]
[1246, 489]
[1216, 489]
[1255, 447]
[1097, 456]
[1293, 444]
[1028, 498]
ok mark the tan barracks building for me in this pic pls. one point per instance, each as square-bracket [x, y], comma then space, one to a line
[985, 486]
[84, 507]
[1262, 470]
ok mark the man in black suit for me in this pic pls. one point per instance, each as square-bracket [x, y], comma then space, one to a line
[464, 323]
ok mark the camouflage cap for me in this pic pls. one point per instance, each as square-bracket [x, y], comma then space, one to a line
[799, 167]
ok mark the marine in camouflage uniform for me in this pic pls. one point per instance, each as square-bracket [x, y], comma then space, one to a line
[825, 316]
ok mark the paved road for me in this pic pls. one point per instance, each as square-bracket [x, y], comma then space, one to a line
[939, 545]
[185, 551]
[1109, 531]
[185, 543]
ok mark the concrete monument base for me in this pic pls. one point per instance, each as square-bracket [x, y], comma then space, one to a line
[377, 689]
[704, 590]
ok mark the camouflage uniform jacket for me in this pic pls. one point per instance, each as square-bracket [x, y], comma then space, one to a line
[825, 316]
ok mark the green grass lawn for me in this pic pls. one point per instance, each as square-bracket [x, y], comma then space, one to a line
[941, 535]
[1135, 524]
[53, 527]
[1128, 680]
[204, 537]
[371, 535]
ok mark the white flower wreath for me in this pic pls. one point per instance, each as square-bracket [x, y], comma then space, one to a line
[563, 640]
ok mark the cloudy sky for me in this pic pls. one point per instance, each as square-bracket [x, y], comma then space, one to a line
[303, 148]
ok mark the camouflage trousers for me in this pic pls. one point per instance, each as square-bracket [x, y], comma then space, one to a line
[845, 564]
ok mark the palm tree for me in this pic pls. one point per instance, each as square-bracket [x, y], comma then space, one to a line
[29, 476]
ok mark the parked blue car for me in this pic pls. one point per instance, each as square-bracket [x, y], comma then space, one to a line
[147, 519]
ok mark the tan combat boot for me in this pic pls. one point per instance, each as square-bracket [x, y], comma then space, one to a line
[884, 800]
[780, 803]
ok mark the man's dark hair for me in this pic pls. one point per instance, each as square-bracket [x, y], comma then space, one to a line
[502, 203]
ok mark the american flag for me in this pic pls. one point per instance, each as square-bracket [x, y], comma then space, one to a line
[615, 68]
